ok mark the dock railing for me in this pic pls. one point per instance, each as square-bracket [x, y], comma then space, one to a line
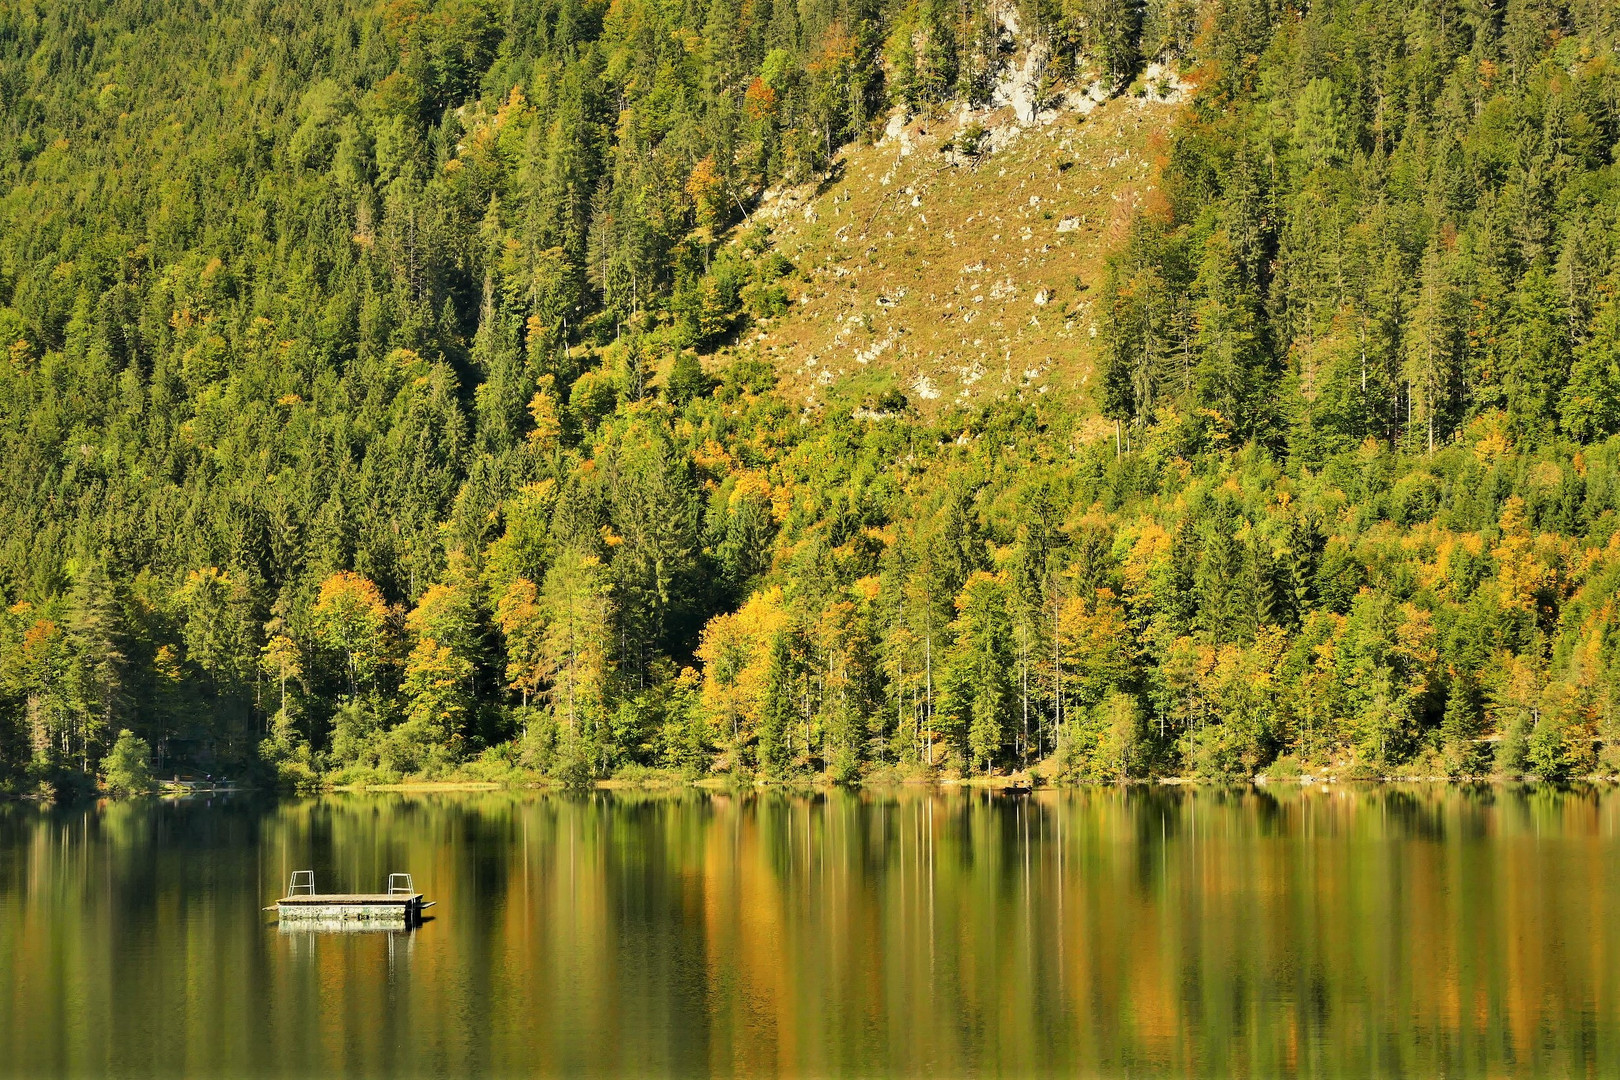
[301, 879]
[401, 884]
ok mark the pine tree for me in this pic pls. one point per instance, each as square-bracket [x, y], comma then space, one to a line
[1222, 605]
[98, 640]
[687, 379]
[979, 692]
[1589, 403]
[1433, 346]
[1461, 728]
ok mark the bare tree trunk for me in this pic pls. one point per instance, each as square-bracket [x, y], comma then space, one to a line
[39, 730]
[928, 660]
[1057, 678]
[1023, 680]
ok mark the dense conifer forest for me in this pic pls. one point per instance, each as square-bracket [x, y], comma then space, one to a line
[367, 407]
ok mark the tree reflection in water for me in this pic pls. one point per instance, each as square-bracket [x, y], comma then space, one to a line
[1107, 931]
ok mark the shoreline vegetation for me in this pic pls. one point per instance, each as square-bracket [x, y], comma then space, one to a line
[650, 780]
[378, 396]
[979, 783]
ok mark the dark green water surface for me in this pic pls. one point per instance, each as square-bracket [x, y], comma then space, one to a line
[1386, 931]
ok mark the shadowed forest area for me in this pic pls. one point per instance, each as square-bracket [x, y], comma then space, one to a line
[367, 408]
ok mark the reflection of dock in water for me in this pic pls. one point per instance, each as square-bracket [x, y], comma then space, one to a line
[304, 938]
[400, 906]
[342, 926]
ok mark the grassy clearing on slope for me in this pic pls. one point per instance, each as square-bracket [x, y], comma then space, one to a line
[952, 279]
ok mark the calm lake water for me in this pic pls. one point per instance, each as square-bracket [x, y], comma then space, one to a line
[1141, 932]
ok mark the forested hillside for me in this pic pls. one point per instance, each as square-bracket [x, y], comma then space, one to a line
[376, 398]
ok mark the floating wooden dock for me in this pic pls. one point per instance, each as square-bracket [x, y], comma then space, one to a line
[400, 906]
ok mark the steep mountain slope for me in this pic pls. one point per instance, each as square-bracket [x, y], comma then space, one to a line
[953, 259]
